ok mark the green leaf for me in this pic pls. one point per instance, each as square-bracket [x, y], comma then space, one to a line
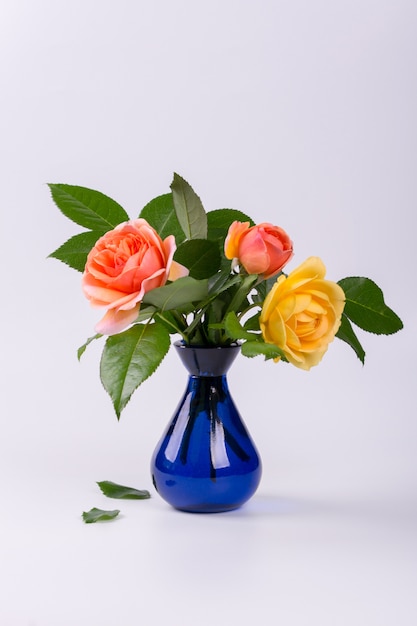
[242, 292]
[98, 515]
[347, 334]
[189, 209]
[252, 323]
[160, 214]
[200, 256]
[268, 350]
[129, 358]
[222, 281]
[83, 348]
[173, 321]
[263, 289]
[87, 207]
[74, 252]
[178, 295]
[234, 330]
[219, 221]
[366, 308]
[113, 490]
[146, 311]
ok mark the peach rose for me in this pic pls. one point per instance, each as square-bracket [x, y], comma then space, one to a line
[124, 264]
[302, 313]
[263, 249]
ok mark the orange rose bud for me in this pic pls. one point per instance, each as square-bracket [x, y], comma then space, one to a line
[263, 249]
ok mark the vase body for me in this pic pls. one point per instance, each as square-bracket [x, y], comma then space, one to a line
[206, 461]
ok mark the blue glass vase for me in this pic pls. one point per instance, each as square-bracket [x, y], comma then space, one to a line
[206, 461]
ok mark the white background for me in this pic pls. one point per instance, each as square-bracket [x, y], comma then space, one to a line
[301, 113]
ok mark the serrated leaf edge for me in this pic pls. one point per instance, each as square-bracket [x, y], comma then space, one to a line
[123, 406]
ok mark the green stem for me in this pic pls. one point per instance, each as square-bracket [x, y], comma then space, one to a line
[252, 306]
[241, 293]
[170, 323]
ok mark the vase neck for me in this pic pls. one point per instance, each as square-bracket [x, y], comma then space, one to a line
[207, 361]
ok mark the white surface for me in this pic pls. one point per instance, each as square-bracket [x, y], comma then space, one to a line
[298, 113]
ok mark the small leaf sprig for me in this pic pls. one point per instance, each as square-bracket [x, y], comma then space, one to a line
[208, 278]
[99, 515]
[119, 492]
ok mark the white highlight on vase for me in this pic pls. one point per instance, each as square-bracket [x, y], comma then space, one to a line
[218, 451]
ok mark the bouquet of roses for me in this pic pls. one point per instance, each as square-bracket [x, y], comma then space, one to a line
[211, 279]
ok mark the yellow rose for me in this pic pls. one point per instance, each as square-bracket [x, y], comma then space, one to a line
[302, 313]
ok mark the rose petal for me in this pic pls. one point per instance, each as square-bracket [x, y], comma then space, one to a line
[114, 322]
